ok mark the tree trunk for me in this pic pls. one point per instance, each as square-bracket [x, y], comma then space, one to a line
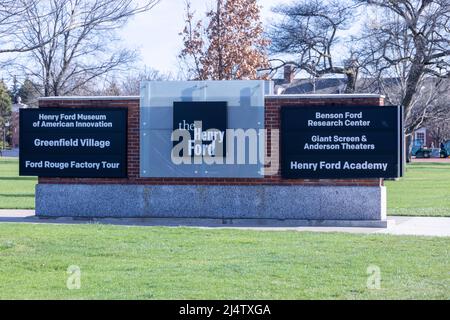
[351, 82]
[409, 145]
[219, 47]
[414, 75]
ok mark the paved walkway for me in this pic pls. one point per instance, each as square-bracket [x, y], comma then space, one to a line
[420, 226]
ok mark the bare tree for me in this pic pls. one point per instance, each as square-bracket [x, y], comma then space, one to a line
[440, 130]
[85, 49]
[128, 85]
[308, 33]
[410, 40]
[132, 83]
[436, 120]
[12, 20]
[12, 17]
[431, 104]
[407, 48]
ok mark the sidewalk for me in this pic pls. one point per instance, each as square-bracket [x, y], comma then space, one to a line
[11, 153]
[419, 226]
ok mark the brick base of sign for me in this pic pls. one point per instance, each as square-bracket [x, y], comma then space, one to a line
[314, 203]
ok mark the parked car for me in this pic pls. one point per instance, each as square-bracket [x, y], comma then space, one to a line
[419, 151]
[417, 145]
[445, 149]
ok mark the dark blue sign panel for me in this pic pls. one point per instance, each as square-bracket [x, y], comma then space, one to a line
[335, 142]
[73, 142]
[210, 136]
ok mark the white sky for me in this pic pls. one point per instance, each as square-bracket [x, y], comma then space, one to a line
[155, 33]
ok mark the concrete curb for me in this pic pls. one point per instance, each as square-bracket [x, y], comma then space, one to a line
[395, 225]
[223, 223]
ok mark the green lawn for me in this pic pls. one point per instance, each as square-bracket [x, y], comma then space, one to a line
[120, 262]
[424, 191]
[15, 192]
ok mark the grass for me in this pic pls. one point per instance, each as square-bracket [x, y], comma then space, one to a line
[424, 191]
[15, 192]
[119, 262]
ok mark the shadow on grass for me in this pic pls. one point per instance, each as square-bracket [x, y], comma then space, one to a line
[428, 164]
[14, 195]
[18, 178]
[9, 160]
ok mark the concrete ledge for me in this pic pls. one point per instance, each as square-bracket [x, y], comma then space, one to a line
[89, 98]
[271, 96]
[323, 95]
[221, 223]
[319, 204]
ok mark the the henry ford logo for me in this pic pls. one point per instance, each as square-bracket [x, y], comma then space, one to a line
[208, 142]
[206, 123]
[341, 142]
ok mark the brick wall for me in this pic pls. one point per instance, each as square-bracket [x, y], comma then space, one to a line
[272, 121]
